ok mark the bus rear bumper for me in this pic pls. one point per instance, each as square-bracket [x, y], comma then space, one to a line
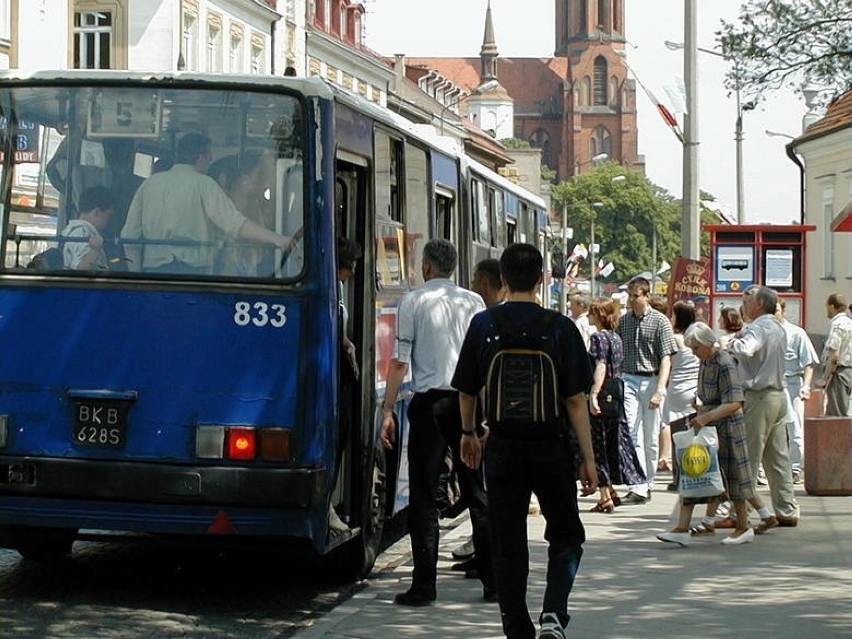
[156, 497]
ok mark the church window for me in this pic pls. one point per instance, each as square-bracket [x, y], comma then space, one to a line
[602, 15]
[586, 99]
[601, 142]
[541, 140]
[600, 96]
[613, 91]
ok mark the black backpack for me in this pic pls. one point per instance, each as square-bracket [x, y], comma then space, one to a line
[522, 384]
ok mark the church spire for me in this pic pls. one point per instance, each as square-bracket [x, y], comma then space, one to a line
[488, 54]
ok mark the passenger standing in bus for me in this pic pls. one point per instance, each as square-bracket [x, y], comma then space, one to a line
[180, 204]
[430, 328]
[83, 243]
[348, 254]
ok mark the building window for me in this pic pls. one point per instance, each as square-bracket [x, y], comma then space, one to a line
[326, 18]
[235, 54]
[343, 30]
[93, 38]
[601, 142]
[5, 20]
[214, 47]
[602, 15]
[586, 97]
[540, 140]
[190, 41]
[600, 96]
[828, 236]
[257, 59]
[357, 29]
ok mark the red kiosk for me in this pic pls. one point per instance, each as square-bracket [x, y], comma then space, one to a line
[769, 255]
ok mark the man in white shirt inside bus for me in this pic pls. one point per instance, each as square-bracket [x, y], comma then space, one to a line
[182, 204]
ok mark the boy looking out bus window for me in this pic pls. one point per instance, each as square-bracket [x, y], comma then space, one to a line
[83, 244]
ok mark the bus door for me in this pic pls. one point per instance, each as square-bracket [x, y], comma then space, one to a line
[355, 418]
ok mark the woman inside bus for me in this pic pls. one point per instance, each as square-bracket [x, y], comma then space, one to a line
[246, 180]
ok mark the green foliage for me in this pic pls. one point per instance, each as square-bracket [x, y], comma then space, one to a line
[548, 174]
[515, 143]
[790, 43]
[629, 212]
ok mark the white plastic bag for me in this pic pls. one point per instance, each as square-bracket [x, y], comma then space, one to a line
[698, 459]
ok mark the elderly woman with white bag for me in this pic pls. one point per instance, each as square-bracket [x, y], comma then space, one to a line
[720, 396]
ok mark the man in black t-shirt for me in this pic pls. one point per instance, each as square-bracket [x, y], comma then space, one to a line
[539, 459]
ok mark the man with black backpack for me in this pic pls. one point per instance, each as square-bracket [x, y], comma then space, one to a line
[535, 373]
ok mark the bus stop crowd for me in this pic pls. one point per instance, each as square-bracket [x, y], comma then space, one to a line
[749, 379]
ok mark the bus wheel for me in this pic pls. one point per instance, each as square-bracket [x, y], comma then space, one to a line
[358, 557]
[40, 544]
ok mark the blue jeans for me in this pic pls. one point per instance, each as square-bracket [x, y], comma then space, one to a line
[515, 468]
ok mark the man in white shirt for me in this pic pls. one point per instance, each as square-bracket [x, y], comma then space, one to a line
[800, 361]
[579, 307]
[83, 242]
[183, 204]
[837, 357]
[759, 350]
[431, 325]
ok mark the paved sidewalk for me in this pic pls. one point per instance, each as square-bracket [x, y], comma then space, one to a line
[791, 583]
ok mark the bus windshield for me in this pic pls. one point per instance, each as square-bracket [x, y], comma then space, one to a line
[113, 181]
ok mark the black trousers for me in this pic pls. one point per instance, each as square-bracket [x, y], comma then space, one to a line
[435, 423]
[515, 468]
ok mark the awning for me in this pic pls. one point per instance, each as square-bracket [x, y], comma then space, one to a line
[843, 222]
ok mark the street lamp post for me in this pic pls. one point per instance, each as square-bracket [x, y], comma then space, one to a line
[485, 87]
[738, 128]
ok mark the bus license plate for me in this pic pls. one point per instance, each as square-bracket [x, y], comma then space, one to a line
[99, 423]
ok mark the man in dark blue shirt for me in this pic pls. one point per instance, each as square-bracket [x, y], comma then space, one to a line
[534, 457]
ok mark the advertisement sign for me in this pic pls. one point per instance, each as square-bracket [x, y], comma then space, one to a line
[25, 142]
[690, 282]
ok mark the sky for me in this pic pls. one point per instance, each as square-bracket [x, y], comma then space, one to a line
[454, 28]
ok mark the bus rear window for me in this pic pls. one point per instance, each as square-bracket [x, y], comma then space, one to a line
[164, 182]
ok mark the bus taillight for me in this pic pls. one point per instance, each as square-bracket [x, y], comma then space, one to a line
[241, 443]
[274, 444]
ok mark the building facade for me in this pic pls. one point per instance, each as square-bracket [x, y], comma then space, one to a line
[574, 106]
[826, 148]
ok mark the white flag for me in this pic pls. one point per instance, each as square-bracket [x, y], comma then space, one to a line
[607, 270]
[665, 266]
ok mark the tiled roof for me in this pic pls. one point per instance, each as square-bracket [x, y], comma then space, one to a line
[530, 81]
[838, 116]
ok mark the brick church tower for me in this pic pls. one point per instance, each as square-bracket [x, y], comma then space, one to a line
[574, 106]
[601, 105]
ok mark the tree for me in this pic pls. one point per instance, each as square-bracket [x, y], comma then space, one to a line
[790, 43]
[630, 211]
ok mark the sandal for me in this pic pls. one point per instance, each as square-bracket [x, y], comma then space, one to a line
[614, 498]
[727, 522]
[603, 507]
[702, 529]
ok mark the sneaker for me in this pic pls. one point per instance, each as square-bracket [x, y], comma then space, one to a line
[551, 627]
[465, 551]
[761, 477]
[798, 476]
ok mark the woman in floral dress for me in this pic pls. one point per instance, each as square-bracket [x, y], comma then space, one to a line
[615, 456]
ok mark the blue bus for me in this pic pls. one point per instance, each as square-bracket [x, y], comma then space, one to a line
[138, 398]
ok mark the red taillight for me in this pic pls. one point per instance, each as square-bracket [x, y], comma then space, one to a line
[241, 444]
